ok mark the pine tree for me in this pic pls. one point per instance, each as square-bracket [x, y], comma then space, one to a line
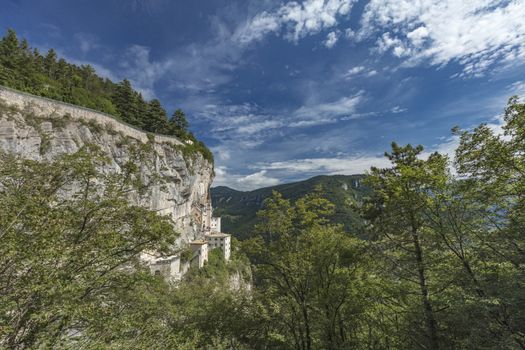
[50, 62]
[156, 118]
[397, 214]
[179, 123]
[126, 102]
[10, 50]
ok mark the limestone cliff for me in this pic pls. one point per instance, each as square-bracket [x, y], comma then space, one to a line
[39, 128]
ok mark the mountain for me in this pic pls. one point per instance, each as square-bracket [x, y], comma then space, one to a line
[238, 209]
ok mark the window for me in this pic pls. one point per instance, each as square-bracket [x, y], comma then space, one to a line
[157, 272]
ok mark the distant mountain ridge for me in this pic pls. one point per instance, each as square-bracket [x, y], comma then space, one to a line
[238, 209]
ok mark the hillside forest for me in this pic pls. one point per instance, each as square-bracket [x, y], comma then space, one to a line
[438, 262]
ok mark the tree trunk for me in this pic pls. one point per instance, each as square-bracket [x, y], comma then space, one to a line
[308, 345]
[427, 306]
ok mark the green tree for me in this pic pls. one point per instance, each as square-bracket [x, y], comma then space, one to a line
[306, 275]
[70, 245]
[9, 50]
[50, 63]
[27, 70]
[495, 167]
[126, 102]
[397, 220]
[156, 118]
[179, 123]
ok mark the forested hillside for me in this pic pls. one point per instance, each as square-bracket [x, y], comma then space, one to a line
[26, 69]
[238, 209]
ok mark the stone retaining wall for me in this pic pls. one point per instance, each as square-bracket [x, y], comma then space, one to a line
[49, 108]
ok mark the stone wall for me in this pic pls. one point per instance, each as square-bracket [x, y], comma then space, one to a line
[52, 108]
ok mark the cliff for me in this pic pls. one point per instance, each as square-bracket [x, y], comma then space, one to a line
[39, 128]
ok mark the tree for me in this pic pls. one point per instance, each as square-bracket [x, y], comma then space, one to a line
[306, 275]
[126, 101]
[26, 69]
[156, 118]
[397, 219]
[495, 167]
[50, 63]
[178, 123]
[453, 239]
[9, 50]
[70, 245]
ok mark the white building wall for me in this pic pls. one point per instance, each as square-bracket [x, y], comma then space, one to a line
[227, 248]
[221, 241]
[215, 224]
[168, 268]
[200, 253]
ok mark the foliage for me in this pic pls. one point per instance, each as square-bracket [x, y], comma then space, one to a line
[27, 70]
[238, 209]
[308, 275]
[65, 259]
[448, 247]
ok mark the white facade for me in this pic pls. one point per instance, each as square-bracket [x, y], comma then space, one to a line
[169, 268]
[221, 241]
[206, 217]
[200, 252]
[215, 224]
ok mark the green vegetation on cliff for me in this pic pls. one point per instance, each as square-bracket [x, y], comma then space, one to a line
[26, 69]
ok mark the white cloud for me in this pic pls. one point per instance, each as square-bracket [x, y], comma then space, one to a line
[350, 34]
[243, 182]
[517, 88]
[359, 70]
[254, 30]
[328, 166]
[398, 109]
[418, 36]
[477, 34]
[354, 71]
[294, 20]
[331, 39]
[257, 180]
[241, 122]
[327, 112]
[253, 128]
[141, 71]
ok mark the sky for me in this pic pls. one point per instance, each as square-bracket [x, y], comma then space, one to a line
[282, 91]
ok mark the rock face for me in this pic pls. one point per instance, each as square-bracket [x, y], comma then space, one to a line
[40, 129]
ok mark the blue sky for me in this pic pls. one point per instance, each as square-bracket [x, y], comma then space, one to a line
[285, 90]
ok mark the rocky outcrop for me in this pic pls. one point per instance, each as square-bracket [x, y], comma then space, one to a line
[40, 129]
